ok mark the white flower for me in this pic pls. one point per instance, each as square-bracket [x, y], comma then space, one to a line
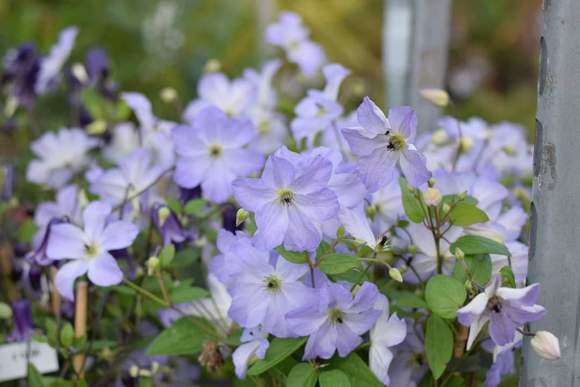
[546, 345]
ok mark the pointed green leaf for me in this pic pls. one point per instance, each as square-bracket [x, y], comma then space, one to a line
[438, 344]
[302, 375]
[183, 337]
[279, 350]
[465, 214]
[445, 295]
[333, 378]
[411, 205]
[338, 263]
[475, 244]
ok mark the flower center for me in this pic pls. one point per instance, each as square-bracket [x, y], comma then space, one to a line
[335, 315]
[91, 250]
[286, 197]
[396, 142]
[215, 150]
[273, 283]
[494, 304]
[264, 128]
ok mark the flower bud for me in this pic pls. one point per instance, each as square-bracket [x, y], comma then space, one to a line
[445, 207]
[459, 254]
[97, 127]
[432, 197]
[168, 94]
[395, 274]
[152, 265]
[431, 182]
[462, 195]
[134, 371]
[80, 73]
[439, 137]
[465, 144]
[546, 345]
[437, 97]
[241, 216]
[212, 65]
[163, 213]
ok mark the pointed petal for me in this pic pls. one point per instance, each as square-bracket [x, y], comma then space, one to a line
[66, 276]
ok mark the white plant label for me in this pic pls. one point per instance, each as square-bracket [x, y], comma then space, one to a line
[14, 359]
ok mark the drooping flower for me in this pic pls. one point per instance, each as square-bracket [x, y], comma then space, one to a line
[336, 320]
[89, 248]
[234, 97]
[291, 35]
[503, 360]
[60, 156]
[290, 203]
[389, 330]
[505, 308]
[254, 343]
[381, 143]
[211, 153]
[22, 316]
[51, 64]
[265, 290]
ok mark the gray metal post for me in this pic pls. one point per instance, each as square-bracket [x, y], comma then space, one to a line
[555, 236]
[265, 14]
[415, 46]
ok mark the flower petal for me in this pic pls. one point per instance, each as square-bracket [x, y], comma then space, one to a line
[414, 166]
[66, 276]
[118, 235]
[104, 271]
[371, 117]
[66, 241]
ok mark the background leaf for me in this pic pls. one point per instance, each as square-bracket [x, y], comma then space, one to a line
[183, 337]
[438, 344]
[333, 378]
[445, 295]
[465, 214]
[338, 263]
[302, 375]
[475, 244]
[279, 350]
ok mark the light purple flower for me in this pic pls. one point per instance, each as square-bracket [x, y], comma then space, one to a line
[214, 89]
[22, 316]
[336, 320]
[389, 330]
[89, 248]
[410, 364]
[227, 265]
[168, 224]
[265, 290]
[60, 156]
[254, 343]
[381, 143]
[503, 360]
[51, 64]
[211, 153]
[290, 34]
[290, 203]
[505, 308]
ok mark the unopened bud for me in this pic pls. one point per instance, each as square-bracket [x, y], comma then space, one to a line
[163, 213]
[439, 137]
[459, 254]
[134, 371]
[437, 97]
[465, 144]
[241, 216]
[395, 274]
[462, 195]
[97, 127]
[152, 265]
[445, 207]
[431, 182]
[168, 94]
[546, 345]
[212, 65]
[412, 249]
[80, 73]
[432, 197]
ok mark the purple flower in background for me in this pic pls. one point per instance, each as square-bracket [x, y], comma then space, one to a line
[168, 224]
[51, 64]
[227, 266]
[20, 72]
[254, 343]
[60, 156]
[380, 144]
[290, 203]
[290, 34]
[336, 320]
[503, 360]
[505, 308]
[234, 97]
[89, 248]
[211, 153]
[22, 316]
[265, 290]
[387, 332]
[319, 110]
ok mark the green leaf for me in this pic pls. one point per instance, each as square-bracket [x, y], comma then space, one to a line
[302, 375]
[404, 299]
[438, 344]
[333, 378]
[26, 231]
[34, 378]
[166, 255]
[174, 205]
[323, 249]
[357, 371]
[279, 350]
[411, 205]
[184, 294]
[338, 263]
[465, 214]
[185, 257]
[183, 337]
[478, 265]
[298, 257]
[5, 311]
[507, 277]
[67, 335]
[195, 207]
[444, 295]
[475, 244]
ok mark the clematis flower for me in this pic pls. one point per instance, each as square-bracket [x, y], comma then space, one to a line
[291, 35]
[387, 332]
[503, 360]
[336, 321]
[89, 248]
[214, 89]
[505, 308]
[381, 143]
[290, 203]
[265, 290]
[211, 153]
[22, 316]
[227, 266]
[410, 364]
[60, 156]
[254, 343]
[318, 111]
[51, 64]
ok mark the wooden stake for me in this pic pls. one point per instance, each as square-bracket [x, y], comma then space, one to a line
[81, 303]
[55, 300]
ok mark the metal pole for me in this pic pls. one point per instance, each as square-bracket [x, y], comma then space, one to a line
[415, 45]
[555, 235]
[265, 14]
